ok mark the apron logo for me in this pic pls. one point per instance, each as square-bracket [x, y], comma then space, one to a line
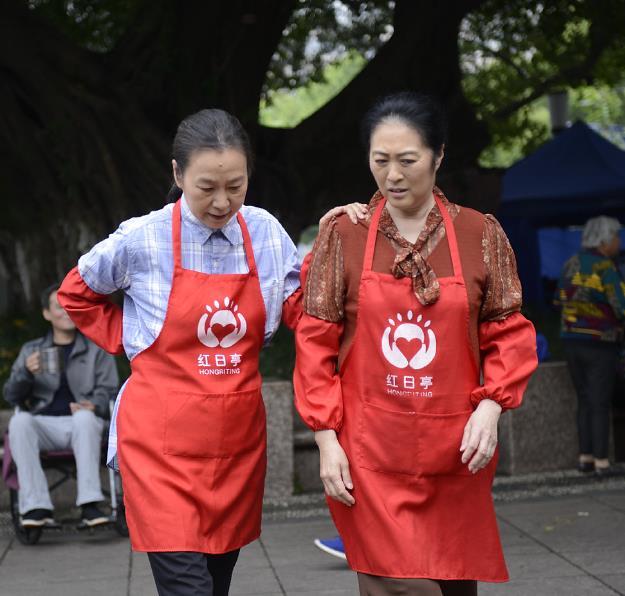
[224, 329]
[404, 345]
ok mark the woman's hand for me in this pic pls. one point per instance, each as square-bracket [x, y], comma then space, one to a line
[355, 212]
[480, 435]
[334, 467]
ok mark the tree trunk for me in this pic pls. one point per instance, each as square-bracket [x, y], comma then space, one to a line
[82, 156]
[322, 162]
[89, 134]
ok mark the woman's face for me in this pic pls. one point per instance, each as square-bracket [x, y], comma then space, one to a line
[214, 184]
[404, 168]
[611, 249]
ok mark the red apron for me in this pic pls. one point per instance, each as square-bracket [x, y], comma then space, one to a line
[406, 382]
[191, 424]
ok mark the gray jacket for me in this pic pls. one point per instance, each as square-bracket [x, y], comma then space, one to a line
[91, 375]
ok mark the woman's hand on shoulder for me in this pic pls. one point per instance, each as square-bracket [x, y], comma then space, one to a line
[334, 467]
[355, 212]
[479, 440]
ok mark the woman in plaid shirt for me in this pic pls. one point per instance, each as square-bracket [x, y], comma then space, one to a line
[206, 282]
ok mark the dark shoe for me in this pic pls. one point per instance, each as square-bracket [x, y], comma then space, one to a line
[37, 518]
[608, 472]
[586, 467]
[92, 516]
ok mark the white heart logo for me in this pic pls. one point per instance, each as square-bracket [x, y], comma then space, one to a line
[222, 327]
[404, 344]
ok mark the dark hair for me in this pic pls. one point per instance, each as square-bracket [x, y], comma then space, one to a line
[208, 129]
[421, 112]
[45, 295]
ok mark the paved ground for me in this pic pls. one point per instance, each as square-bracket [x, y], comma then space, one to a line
[571, 545]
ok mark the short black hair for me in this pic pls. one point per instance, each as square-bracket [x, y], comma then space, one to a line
[45, 295]
[423, 113]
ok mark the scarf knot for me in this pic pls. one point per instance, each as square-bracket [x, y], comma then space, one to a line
[410, 263]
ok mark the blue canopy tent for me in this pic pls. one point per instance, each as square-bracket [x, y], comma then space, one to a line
[574, 176]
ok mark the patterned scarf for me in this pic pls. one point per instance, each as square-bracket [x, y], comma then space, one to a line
[410, 260]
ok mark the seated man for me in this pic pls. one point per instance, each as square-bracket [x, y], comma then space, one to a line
[59, 410]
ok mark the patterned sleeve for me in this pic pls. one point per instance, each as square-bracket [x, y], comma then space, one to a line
[324, 293]
[614, 286]
[502, 294]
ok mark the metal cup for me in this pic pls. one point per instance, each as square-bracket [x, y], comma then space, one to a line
[51, 360]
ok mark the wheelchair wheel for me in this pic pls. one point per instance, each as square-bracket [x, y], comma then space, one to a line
[27, 536]
[121, 527]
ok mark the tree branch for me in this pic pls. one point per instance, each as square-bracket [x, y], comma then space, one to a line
[505, 58]
[322, 157]
[600, 40]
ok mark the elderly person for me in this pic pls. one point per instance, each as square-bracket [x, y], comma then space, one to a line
[59, 410]
[592, 296]
[402, 312]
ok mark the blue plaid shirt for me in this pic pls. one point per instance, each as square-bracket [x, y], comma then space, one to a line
[138, 259]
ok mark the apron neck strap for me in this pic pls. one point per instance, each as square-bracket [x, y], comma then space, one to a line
[452, 241]
[175, 235]
[372, 235]
[449, 229]
[177, 243]
[247, 244]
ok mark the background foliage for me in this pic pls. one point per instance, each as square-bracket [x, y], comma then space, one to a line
[92, 90]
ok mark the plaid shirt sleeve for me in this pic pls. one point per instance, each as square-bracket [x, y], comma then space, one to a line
[105, 267]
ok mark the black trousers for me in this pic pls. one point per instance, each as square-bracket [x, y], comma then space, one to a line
[192, 574]
[593, 369]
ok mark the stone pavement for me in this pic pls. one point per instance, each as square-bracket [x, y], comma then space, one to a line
[571, 545]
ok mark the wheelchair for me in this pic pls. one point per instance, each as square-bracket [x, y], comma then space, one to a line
[63, 462]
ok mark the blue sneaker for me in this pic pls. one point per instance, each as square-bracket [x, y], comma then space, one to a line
[332, 546]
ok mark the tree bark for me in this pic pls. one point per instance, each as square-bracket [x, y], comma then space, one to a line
[322, 162]
[82, 156]
[89, 134]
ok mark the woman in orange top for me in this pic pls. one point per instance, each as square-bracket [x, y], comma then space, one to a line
[400, 323]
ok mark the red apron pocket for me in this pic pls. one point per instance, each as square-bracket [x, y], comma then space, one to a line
[387, 440]
[440, 436]
[213, 425]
